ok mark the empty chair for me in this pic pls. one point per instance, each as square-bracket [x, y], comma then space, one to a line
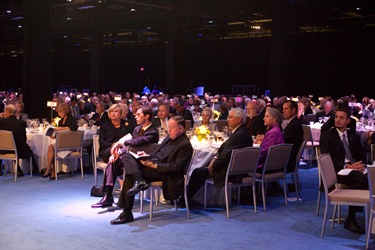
[8, 146]
[350, 197]
[68, 146]
[242, 161]
[274, 168]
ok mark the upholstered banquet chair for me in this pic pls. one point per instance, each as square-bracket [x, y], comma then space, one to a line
[8, 145]
[242, 161]
[371, 182]
[295, 173]
[68, 146]
[350, 197]
[98, 163]
[310, 144]
[274, 168]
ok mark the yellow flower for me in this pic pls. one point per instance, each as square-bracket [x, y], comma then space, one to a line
[216, 114]
[55, 121]
[202, 131]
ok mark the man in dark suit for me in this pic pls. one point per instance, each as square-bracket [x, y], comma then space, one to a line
[101, 115]
[168, 164]
[292, 131]
[326, 113]
[18, 127]
[145, 133]
[334, 141]
[217, 168]
[182, 111]
[161, 121]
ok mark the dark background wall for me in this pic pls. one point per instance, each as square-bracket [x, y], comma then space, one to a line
[321, 64]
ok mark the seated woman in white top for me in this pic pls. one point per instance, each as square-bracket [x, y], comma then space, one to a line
[206, 120]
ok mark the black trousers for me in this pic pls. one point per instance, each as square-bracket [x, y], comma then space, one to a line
[197, 180]
[355, 180]
[133, 171]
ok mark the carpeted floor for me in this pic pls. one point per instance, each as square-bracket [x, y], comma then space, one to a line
[41, 214]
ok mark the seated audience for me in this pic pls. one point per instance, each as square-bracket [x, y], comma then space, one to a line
[168, 164]
[145, 133]
[161, 121]
[101, 115]
[182, 111]
[327, 112]
[217, 168]
[67, 122]
[254, 123]
[206, 120]
[19, 108]
[273, 136]
[113, 130]
[345, 149]
[292, 131]
[9, 122]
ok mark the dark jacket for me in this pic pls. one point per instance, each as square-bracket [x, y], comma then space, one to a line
[293, 134]
[18, 127]
[239, 139]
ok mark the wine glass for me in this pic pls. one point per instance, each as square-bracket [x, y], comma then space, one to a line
[189, 134]
[225, 131]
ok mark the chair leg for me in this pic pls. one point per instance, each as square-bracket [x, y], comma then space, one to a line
[205, 197]
[186, 202]
[227, 199]
[238, 195]
[254, 199]
[263, 197]
[369, 228]
[334, 215]
[81, 168]
[141, 197]
[324, 218]
[156, 197]
[285, 196]
[151, 202]
[318, 204]
[15, 170]
[175, 204]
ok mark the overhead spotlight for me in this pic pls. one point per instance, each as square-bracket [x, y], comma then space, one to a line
[210, 21]
[8, 11]
[132, 10]
[20, 26]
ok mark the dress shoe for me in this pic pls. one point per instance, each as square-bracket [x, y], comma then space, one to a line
[123, 218]
[106, 201]
[138, 186]
[20, 173]
[353, 227]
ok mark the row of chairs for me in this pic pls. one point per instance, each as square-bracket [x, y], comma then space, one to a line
[69, 145]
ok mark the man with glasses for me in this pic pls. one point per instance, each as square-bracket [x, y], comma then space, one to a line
[217, 168]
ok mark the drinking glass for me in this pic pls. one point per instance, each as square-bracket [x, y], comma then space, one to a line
[189, 134]
[225, 131]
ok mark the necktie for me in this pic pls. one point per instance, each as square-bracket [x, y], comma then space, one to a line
[141, 132]
[348, 154]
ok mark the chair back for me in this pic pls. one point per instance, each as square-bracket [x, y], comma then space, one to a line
[7, 142]
[188, 125]
[220, 124]
[372, 153]
[299, 154]
[371, 181]
[277, 157]
[327, 171]
[243, 161]
[307, 133]
[309, 118]
[72, 140]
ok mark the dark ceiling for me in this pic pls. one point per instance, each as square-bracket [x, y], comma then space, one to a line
[123, 22]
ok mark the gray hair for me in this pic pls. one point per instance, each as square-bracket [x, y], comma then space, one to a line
[239, 112]
[275, 113]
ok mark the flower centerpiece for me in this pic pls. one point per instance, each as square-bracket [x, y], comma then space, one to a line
[202, 132]
[55, 122]
[216, 114]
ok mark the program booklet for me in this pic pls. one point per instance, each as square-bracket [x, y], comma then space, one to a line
[51, 131]
[140, 157]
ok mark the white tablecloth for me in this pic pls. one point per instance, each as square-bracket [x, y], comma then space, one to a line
[39, 143]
